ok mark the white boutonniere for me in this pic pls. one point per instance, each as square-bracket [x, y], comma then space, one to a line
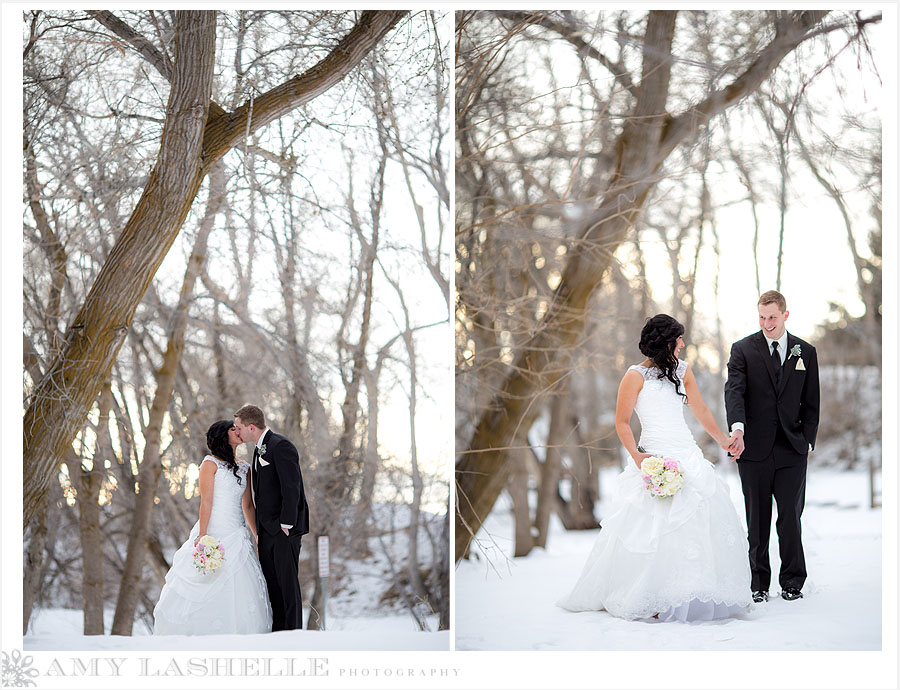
[262, 452]
[795, 352]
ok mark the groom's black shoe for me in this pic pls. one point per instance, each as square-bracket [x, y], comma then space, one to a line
[791, 593]
[760, 596]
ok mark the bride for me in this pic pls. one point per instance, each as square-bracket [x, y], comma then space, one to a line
[232, 598]
[682, 557]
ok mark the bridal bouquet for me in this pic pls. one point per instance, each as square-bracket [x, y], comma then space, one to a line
[662, 476]
[208, 555]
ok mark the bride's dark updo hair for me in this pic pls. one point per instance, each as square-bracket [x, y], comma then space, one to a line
[658, 343]
[217, 442]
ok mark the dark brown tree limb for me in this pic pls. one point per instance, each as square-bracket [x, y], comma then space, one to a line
[141, 44]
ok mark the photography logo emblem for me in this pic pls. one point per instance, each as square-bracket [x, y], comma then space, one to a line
[17, 670]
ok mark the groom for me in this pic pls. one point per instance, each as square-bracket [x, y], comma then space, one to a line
[772, 405]
[282, 515]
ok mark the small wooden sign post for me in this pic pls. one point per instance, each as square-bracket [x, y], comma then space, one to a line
[324, 572]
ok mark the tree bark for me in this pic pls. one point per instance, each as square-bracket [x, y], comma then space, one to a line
[549, 480]
[517, 487]
[89, 522]
[648, 137]
[34, 565]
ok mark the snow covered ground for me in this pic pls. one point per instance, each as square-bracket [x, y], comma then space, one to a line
[508, 604]
[61, 630]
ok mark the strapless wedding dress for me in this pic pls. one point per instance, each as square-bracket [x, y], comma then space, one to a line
[234, 598]
[682, 557]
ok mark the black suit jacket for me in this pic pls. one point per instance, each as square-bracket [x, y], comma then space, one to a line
[278, 487]
[752, 396]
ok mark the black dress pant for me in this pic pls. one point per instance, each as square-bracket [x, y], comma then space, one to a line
[781, 475]
[279, 556]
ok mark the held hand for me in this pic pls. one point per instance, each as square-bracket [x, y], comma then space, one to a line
[737, 444]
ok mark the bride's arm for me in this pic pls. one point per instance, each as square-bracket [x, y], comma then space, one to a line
[631, 385]
[701, 411]
[207, 482]
[249, 510]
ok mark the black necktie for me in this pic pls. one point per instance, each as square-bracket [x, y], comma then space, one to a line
[776, 362]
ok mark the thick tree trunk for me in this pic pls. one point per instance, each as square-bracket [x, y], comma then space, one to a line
[91, 550]
[518, 492]
[650, 134]
[34, 565]
[190, 144]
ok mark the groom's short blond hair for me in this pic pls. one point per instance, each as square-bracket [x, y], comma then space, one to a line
[773, 297]
[251, 414]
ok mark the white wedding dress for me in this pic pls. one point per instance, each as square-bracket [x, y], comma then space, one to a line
[233, 598]
[683, 557]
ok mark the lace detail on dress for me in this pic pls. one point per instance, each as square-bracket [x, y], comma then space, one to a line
[654, 374]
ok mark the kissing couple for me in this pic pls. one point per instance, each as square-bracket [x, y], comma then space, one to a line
[217, 583]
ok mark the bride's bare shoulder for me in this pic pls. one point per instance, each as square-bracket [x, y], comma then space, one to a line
[210, 461]
[634, 376]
